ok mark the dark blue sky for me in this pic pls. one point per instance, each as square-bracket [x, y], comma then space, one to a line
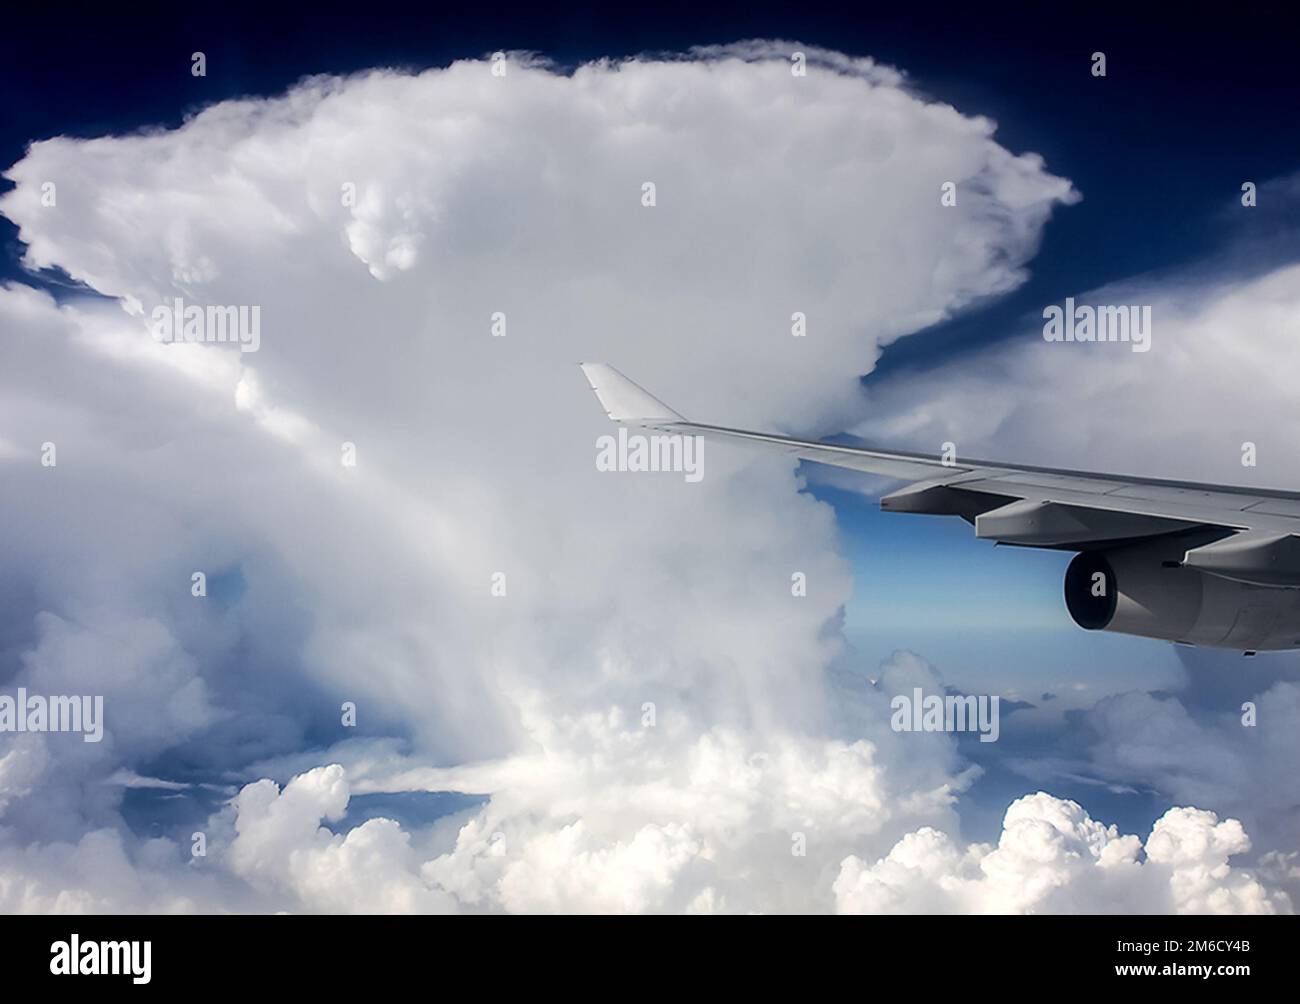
[1194, 102]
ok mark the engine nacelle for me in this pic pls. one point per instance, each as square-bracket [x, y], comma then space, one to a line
[1143, 589]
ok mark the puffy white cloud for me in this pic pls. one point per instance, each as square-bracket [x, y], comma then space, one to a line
[604, 798]
[1207, 757]
[103, 871]
[1052, 857]
[279, 841]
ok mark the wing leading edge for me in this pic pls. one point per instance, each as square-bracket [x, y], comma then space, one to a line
[1026, 505]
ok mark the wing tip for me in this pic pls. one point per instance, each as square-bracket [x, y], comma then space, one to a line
[623, 400]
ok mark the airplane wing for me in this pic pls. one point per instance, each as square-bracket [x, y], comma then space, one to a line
[1247, 534]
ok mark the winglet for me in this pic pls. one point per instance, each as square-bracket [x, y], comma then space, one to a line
[623, 400]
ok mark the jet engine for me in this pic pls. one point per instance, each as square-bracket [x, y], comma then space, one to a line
[1152, 589]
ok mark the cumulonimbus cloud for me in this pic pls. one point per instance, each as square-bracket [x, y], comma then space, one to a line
[645, 703]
